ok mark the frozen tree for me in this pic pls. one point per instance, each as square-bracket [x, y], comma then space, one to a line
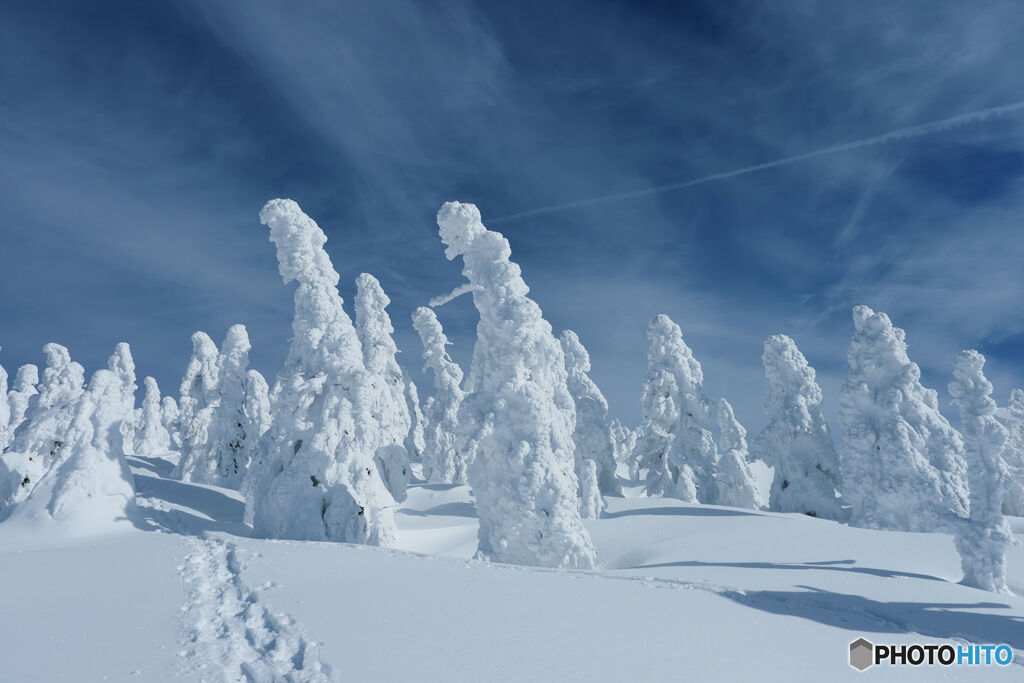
[902, 463]
[20, 394]
[151, 436]
[41, 435]
[657, 434]
[1012, 418]
[624, 441]
[88, 479]
[519, 412]
[314, 475]
[982, 539]
[5, 411]
[593, 434]
[256, 406]
[797, 443]
[386, 383]
[169, 418]
[196, 407]
[415, 442]
[736, 485]
[591, 501]
[122, 365]
[443, 461]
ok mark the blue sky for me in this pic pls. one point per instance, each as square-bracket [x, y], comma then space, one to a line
[138, 142]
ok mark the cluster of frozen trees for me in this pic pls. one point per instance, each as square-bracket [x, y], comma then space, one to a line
[328, 453]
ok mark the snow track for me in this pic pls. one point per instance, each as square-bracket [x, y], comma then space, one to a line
[230, 635]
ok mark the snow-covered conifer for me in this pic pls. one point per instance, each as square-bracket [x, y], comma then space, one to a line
[257, 406]
[657, 434]
[169, 418]
[415, 442]
[1012, 418]
[386, 383]
[88, 479]
[41, 435]
[314, 475]
[443, 461]
[21, 392]
[736, 485]
[797, 443]
[902, 463]
[5, 411]
[151, 437]
[198, 399]
[624, 440]
[982, 540]
[519, 413]
[592, 503]
[122, 365]
[593, 434]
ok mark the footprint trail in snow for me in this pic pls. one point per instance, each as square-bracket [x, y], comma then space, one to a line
[230, 635]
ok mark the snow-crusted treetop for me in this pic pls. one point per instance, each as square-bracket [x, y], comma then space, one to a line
[434, 340]
[1015, 405]
[970, 389]
[62, 378]
[26, 379]
[122, 365]
[373, 325]
[299, 241]
[790, 378]
[200, 378]
[577, 365]
[459, 225]
[668, 350]
[732, 435]
[234, 362]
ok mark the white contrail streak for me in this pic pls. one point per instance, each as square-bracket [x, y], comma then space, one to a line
[898, 134]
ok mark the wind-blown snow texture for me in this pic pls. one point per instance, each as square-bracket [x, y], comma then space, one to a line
[797, 443]
[983, 539]
[1013, 419]
[518, 411]
[314, 475]
[903, 465]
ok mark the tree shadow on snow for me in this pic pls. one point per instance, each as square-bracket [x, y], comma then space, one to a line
[158, 466]
[695, 511]
[456, 509]
[860, 614]
[222, 512]
[828, 566]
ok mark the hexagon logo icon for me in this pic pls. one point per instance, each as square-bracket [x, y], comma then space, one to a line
[862, 654]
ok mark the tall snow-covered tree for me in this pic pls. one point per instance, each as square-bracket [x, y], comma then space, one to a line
[982, 540]
[257, 407]
[735, 483]
[519, 411]
[41, 435]
[902, 463]
[415, 442]
[443, 461]
[1012, 418]
[169, 418]
[592, 436]
[314, 475]
[151, 436]
[387, 385]
[797, 443]
[122, 365]
[624, 440]
[5, 411]
[196, 406]
[88, 478]
[21, 393]
[657, 434]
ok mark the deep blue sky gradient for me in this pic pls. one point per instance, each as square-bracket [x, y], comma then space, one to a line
[138, 142]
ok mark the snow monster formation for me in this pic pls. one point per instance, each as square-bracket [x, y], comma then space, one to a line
[983, 538]
[518, 411]
[903, 464]
[314, 474]
[797, 443]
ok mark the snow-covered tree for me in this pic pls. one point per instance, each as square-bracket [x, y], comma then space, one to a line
[169, 418]
[519, 412]
[982, 540]
[5, 411]
[797, 443]
[314, 475]
[902, 463]
[389, 406]
[88, 478]
[122, 365]
[41, 435]
[443, 461]
[624, 440]
[21, 393]
[735, 483]
[592, 436]
[151, 436]
[1012, 418]
[257, 408]
[196, 405]
[415, 442]
[657, 434]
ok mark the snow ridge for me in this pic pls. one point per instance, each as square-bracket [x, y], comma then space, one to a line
[231, 635]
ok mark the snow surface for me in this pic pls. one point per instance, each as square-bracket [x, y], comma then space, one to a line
[689, 591]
